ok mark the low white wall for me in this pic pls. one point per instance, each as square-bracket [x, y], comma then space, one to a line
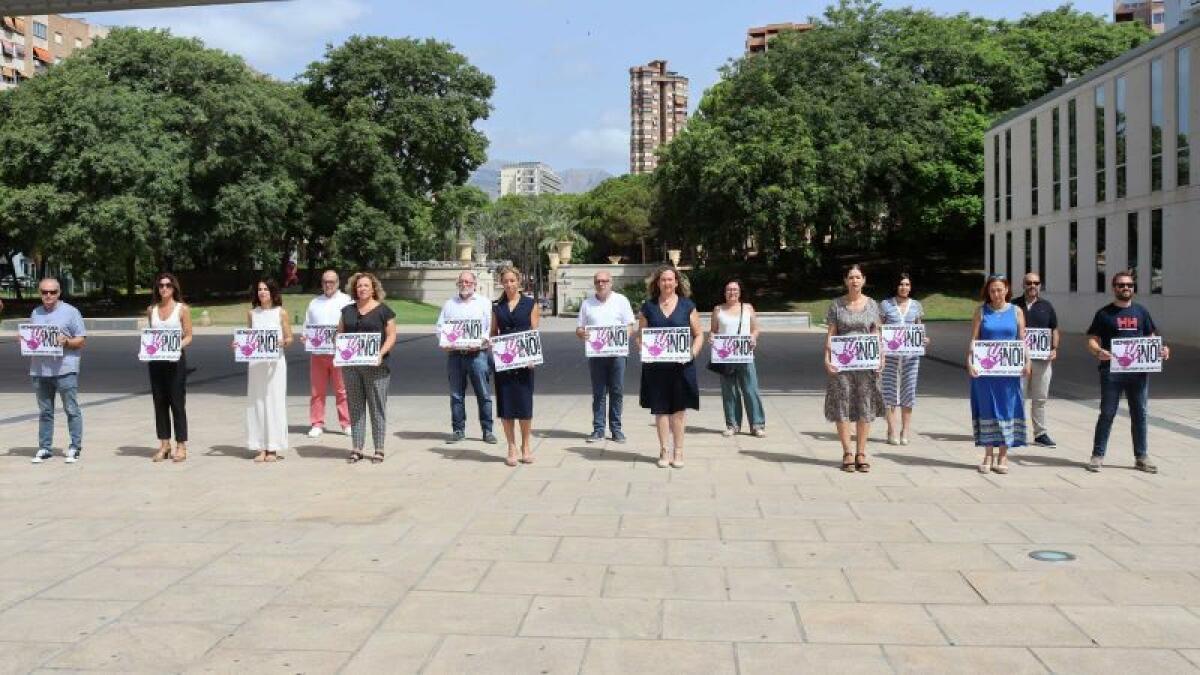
[433, 285]
[575, 281]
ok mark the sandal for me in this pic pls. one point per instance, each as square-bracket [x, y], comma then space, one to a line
[986, 465]
[848, 466]
[863, 466]
[180, 454]
[261, 456]
[677, 460]
[273, 457]
[355, 456]
[663, 462]
[1000, 468]
[161, 455]
[511, 460]
[377, 458]
[526, 457]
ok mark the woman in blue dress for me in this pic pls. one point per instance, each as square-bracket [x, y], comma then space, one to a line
[900, 372]
[514, 313]
[669, 389]
[997, 409]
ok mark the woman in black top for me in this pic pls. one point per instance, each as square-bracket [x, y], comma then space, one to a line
[514, 313]
[367, 386]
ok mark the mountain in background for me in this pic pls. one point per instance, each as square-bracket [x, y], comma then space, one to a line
[487, 178]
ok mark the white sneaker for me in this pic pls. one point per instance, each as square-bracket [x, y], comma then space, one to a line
[315, 432]
[729, 431]
[41, 456]
[71, 455]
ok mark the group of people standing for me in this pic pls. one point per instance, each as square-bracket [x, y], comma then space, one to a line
[853, 398]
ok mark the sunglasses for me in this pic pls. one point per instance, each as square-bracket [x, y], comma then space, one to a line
[166, 284]
[49, 292]
[997, 277]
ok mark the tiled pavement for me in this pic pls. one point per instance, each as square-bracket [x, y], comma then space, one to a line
[758, 557]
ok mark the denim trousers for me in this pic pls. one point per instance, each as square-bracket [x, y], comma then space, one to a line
[738, 388]
[66, 387]
[472, 366]
[1136, 387]
[608, 380]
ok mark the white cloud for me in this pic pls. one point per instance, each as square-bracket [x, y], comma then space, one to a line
[279, 38]
[606, 146]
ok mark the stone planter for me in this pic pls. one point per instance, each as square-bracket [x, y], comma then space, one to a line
[480, 258]
[673, 255]
[564, 252]
[465, 248]
[615, 259]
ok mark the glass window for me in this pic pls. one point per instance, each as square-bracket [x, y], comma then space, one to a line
[78, 43]
[1120, 138]
[1101, 176]
[39, 30]
[1008, 174]
[991, 254]
[1101, 252]
[1028, 250]
[1131, 239]
[1008, 268]
[1156, 123]
[1056, 156]
[996, 178]
[1072, 157]
[1183, 123]
[1042, 255]
[1156, 246]
[1073, 256]
[1033, 166]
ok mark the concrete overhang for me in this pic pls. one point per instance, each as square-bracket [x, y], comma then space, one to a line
[23, 7]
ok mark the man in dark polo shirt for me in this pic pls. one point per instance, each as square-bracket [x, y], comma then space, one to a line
[1123, 318]
[1039, 313]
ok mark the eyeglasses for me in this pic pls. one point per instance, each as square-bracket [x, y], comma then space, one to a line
[466, 283]
[1032, 283]
[603, 281]
[329, 281]
[1122, 285]
[49, 292]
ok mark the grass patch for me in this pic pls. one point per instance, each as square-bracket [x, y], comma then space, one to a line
[234, 313]
[938, 307]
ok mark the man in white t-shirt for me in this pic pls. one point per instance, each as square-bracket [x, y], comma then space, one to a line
[326, 310]
[606, 308]
[463, 365]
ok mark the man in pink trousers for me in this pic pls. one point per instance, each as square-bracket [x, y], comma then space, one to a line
[326, 310]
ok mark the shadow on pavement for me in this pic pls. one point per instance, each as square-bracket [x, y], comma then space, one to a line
[914, 460]
[466, 454]
[1042, 460]
[235, 451]
[321, 452]
[21, 452]
[787, 457]
[422, 435]
[136, 451]
[950, 438]
[605, 455]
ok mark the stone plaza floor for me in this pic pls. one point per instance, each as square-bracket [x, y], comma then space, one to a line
[759, 556]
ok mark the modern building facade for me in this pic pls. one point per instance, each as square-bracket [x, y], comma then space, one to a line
[1153, 13]
[529, 179]
[1099, 176]
[32, 43]
[758, 39]
[658, 103]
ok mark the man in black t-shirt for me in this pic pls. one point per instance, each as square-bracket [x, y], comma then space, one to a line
[1123, 318]
[1039, 313]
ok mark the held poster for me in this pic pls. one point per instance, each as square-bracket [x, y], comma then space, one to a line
[666, 345]
[517, 350]
[257, 344]
[855, 352]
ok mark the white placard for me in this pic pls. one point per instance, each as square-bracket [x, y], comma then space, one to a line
[161, 344]
[1038, 340]
[904, 339]
[517, 350]
[666, 345]
[732, 349]
[1136, 355]
[855, 352]
[357, 349]
[319, 338]
[461, 334]
[257, 344]
[39, 339]
[998, 358]
[606, 341]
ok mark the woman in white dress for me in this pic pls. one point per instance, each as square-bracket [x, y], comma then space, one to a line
[266, 385]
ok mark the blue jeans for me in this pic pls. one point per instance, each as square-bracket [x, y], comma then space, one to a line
[66, 386]
[608, 378]
[1136, 387]
[738, 388]
[463, 366]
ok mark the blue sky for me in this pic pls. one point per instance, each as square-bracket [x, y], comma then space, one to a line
[561, 68]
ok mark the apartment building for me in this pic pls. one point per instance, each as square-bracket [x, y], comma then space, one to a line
[1153, 13]
[32, 43]
[658, 100]
[1099, 176]
[758, 39]
[529, 178]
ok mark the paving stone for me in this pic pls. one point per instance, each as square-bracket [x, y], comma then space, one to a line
[700, 553]
[998, 660]
[834, 556]
[695, 583]
[462, 613]
[115, 583]
[290, 627]
[387, 652]
[775, 529]
[944, 557]
[38, 620]
[224, 605]
[246, 570]
[531, 578]
[1088, 660]
[669, 527]
[454, 575]
[769, 659]
[557, 525]
[788, 583]
[858, 623]
[498, 547]
[740, 621]
[906, 586]
[23, 657]
[1157, 626]
[343, 589]
[1008, 625]
[1145, 588]
[125, 646]
[612, 551]
[236, 661]
[1031, 587]
[665, 657]
[477, 654]
[870, 530]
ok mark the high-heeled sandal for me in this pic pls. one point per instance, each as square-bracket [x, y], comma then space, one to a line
[663, 462]
[986, 465]
[355, 457]
[863, 466]
[161, 455]
[377, 458]
[180, 454]
[261, 456]
[526, 457]
[848, 466]
[677, 459]
[511, 460]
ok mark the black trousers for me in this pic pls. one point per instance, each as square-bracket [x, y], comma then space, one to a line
[168, 387]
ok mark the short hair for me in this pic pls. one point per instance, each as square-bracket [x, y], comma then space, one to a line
[983, 294]
[272, 286]
[377, 291]
[599, 272]
[1124, 273]
[473, 276]
[683, 288]
[156, 295]
[54, 279]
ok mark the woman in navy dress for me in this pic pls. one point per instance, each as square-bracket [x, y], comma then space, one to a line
[997, 409]
[669, 389]
[514, 313]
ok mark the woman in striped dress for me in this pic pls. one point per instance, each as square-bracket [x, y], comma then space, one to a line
[900, 372]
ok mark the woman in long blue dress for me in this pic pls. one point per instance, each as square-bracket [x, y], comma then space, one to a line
[669, 389]
[514, 313]
[997, 409]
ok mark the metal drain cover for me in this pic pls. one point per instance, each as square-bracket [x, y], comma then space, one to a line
[1051, 556]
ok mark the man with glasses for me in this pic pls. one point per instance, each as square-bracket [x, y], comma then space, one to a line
[468, 364]
[606, 308]
[326, 310]
[58, 375]
[1123, 318]
[1039, 313]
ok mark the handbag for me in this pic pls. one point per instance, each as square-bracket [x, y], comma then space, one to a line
[727, 368]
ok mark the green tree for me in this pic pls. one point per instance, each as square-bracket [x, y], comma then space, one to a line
[455, 212]
[615, 215]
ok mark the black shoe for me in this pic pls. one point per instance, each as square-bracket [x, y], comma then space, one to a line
[596, 437]
[489, 438]
[1044, 441]
[618, 437]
